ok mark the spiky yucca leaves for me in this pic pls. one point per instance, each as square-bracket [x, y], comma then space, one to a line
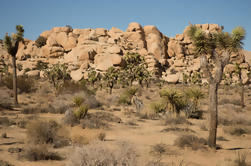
[194, 95]
[174, 100]
[11, 44]
[111, 77]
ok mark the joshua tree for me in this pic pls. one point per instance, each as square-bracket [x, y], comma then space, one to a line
[215, 50]
[11, 44]
[111, 77]
[135, 68]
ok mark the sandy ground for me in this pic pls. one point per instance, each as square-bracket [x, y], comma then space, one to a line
[142, 136]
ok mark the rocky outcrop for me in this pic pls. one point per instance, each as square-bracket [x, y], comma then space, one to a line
[100, 49]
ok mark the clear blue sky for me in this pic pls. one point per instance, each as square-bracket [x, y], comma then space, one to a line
[170, 17]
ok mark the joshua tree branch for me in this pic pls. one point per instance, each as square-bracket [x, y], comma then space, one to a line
[205, 68]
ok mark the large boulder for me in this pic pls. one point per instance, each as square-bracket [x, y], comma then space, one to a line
[80, 54]
[172, 78]
[175, 49]
[77, 75]
[105, 60]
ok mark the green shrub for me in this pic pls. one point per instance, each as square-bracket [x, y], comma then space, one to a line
[41, 41]
[158, 107]
[81, 111]
[126, 96]
[41, 65]
[78, 101]
[175, 101]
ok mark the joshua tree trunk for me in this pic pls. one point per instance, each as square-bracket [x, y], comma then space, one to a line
[241, 90]
[242, 95]
[213, 109]
[220, 63]
[14, 80]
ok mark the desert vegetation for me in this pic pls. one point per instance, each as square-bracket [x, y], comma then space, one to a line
[127, 115]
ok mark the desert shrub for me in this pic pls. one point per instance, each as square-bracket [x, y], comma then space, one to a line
[42, 132]
[177, 129]
[41, 65]
[78, 101]
[126, 96]
[101, 136]
[158, 107]
[81, 111]
[22, 123]
[230, 101]
[159, 149]
[236, 130]
[69, 118]
[234, 119]
[4, 135]
[41, 41]
[5, 163]
[40, 152]
[221, 138]
[170, 120]
[148, 114]
[4, 121]
[241, 159]
[99, 120]
[191, 141]
[98, 153]
[94, 124]
[24, 84]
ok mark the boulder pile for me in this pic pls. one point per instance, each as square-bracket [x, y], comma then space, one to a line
[81, 49]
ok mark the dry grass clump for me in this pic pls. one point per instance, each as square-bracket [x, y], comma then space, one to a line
[241, 159]
[171, 120]
[24, 84]
[233, 118]
[191, 141]
[5, 163]
[40, 152]
[177, 129]
[237, 130]
[230, 101]
[4, 121]
[159, 149]
[100, 154]
[101, 136]
[44, 132]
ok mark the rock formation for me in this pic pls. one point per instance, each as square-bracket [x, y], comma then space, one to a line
[100, 49]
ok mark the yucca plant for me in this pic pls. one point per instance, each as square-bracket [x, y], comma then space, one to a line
[194, 95]
[78, 101]
[174, 100]
[81, 112]
[214, 50]
[11, 44]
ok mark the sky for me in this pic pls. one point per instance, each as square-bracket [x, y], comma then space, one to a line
[170, 16]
